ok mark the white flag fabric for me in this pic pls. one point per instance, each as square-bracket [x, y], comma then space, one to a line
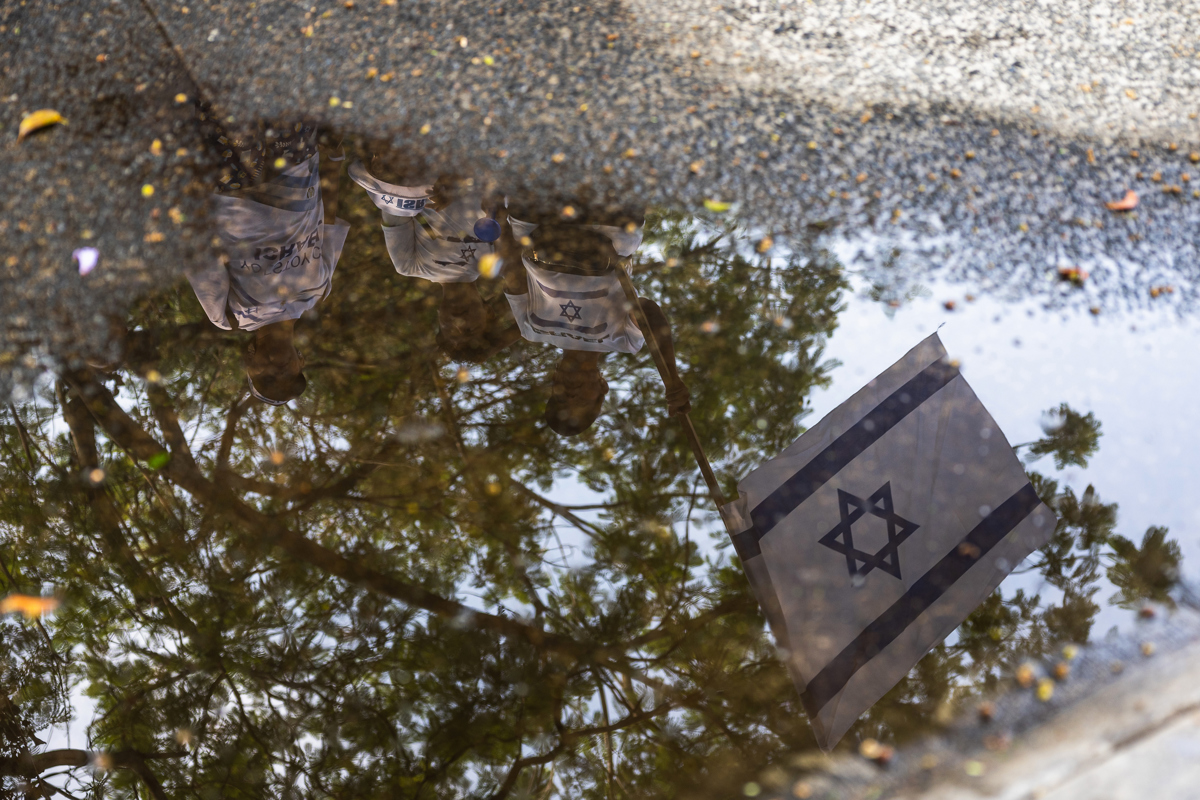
[873, 536]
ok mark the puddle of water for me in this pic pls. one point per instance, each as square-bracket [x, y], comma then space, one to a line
[391, 493]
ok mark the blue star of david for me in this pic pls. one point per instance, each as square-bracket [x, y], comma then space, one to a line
[570, 311]
[841, 538]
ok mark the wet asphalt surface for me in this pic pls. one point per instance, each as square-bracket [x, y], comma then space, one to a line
[993, 176]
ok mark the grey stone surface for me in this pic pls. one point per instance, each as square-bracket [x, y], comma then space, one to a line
[1125, 723]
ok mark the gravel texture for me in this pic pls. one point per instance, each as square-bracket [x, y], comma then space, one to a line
[988, 164]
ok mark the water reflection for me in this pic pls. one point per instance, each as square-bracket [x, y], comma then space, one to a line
[384, 586]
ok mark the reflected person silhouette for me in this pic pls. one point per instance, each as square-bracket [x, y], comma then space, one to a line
[561, 281]
[437, 230]
[280, 240]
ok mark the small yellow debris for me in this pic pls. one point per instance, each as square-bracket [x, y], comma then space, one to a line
[153, 236]
[334, 102]
[812, 145]
[865, 118]
[765, 244]
[630, 153]
[955, 173]
[176, 215]
[100, 59]
[694, 54]
[696, 166]
[181, 98]
[1069, 652]
[147, 190]
[1091, 156]
[425, 129]
[717, 206]
[1156, 177]
[1131, 94]
[1126, 203]
[1045, 689]
[1061, 670]
[372, 72]
[1148, 649]
[1025, 675]
[583, 107]
[871, 749]
[29, 605]
[970, 154]
[860, 177]
[488, 60]
[881, 754]
[307, 30]
[801, 790]
[558, 158]
[489, 265]
[1194, 158]
[37, 120]
[493, 488]
[156, 148]
[181, 152]
[387, 76]
[974, 768]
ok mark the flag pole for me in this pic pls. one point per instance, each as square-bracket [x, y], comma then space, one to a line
[689, 431]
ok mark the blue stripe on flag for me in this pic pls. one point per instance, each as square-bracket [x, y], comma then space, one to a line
[834, 676]
[847, 447]
[561, 293]
[549, 323]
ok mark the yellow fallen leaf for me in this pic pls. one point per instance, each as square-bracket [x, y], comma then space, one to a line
[38, 120]
[716, 206]
[1126, 203]
[489, 265]
[1025, 676]
[28, 605]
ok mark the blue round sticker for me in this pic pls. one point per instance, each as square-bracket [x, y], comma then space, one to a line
[487, 230]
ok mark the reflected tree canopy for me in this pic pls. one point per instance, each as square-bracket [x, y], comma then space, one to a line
[380, 590]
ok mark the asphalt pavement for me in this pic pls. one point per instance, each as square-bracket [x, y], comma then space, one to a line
[958, 135]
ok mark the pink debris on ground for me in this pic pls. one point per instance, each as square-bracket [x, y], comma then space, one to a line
[87, 258]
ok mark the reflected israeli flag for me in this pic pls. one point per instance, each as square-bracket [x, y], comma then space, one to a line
[873, 536]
